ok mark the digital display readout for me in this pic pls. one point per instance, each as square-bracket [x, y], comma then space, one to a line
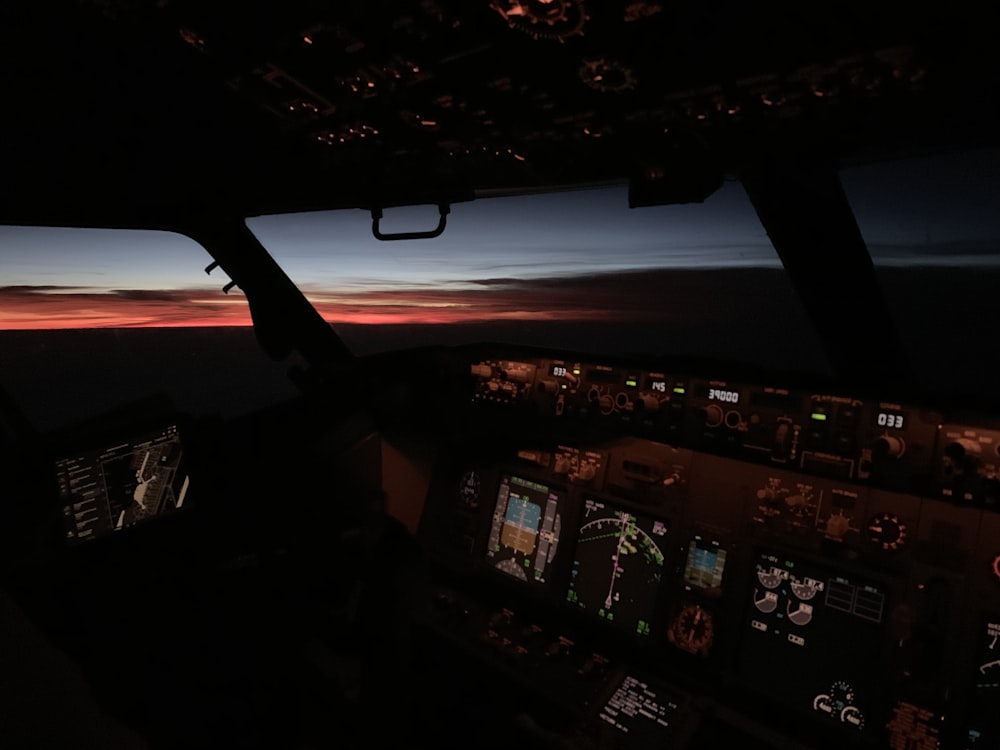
[719, 394]
[559, 371]
[889, 419]
[656, 382]
[642, 714]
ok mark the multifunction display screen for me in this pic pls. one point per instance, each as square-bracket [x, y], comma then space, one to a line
[112, 488]
[524, 534]
[706, 562]
[618, 565]
[813, 638]
[643, 714]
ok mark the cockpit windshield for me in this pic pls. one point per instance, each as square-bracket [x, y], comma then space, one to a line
[575, 270]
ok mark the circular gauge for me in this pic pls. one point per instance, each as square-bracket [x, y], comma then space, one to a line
[468, 489]
[838, 704]
[693, 630]
[804, 591]
[607, 75]
[551, 19]
[887, 531]
[770, 579]
[996, 567]
[841, 693]
[852, 716]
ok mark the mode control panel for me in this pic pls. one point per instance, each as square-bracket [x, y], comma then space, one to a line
[877, 443]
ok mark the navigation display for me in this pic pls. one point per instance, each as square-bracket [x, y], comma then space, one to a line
[618, 565]
[813, 638]
[524, 534]
[111, 488]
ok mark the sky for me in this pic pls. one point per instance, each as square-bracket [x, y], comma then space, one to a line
[572, 256]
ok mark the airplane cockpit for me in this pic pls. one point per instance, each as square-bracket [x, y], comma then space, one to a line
[748, 500]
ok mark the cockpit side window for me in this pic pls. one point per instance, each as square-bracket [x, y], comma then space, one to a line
[932, 226]
[92, 319]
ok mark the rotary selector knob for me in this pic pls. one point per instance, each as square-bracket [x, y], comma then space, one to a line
[647, 403]
[963, 449]
[607, 404]
[713, 415]
[887, 531]
[888, 446]
[550, 387]
[961, 456]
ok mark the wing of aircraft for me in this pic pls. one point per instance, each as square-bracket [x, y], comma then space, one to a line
[603, 537]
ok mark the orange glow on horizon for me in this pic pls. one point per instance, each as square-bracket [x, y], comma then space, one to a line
[26, 308]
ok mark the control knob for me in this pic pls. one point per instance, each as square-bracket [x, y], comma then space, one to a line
[888, 446]
[713, 415]
[548, 386]
[961, 456]
[887, 531]
[647, 403]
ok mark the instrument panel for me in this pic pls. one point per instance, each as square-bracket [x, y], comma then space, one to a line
[823, 565]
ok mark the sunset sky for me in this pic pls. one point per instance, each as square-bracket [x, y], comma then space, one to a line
[573, 256]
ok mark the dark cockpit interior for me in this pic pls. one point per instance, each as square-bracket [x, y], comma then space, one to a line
[499, 543]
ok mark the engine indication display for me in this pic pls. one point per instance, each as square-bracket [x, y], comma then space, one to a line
[524, 534]
[618, 565]
[983, 721]
[988, 676]
[824, 629]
